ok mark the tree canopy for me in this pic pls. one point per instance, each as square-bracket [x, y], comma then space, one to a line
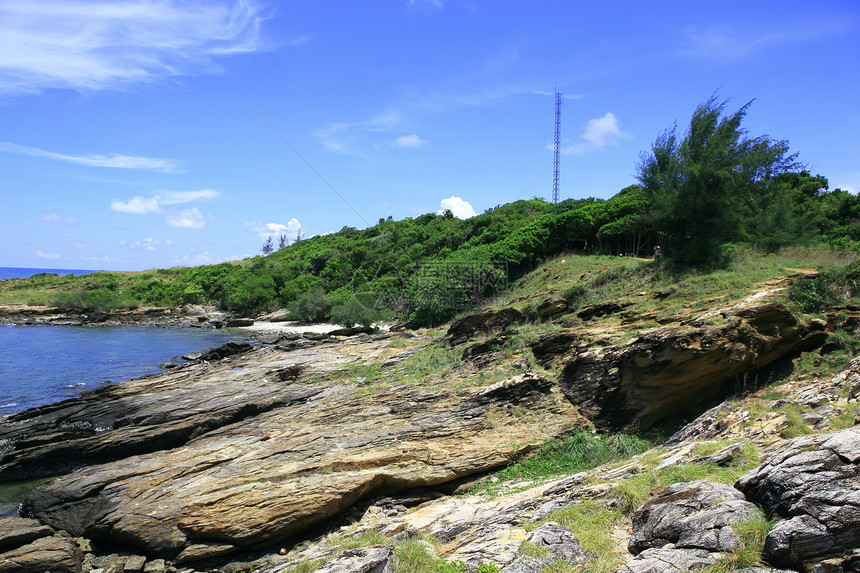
[716, 186]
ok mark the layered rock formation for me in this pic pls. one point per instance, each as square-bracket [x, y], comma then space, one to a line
[675, 373]
[209, 459]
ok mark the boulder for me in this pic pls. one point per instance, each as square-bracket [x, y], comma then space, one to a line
[814, 485]
[676, 373]
[229, 349]
[547, 349]
[598, 310]
[555, 543]
[465, 328]
[17, 531]
[669, 560]
[373, 559]
[551, 307]
[55, 554]
[694, 515]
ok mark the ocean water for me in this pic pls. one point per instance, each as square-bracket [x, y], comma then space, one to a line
[21, 272]
[43, 364]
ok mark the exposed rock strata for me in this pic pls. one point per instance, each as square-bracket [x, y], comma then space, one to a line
[814, 486]
[695, 515]
[678, 372]
[235, 455]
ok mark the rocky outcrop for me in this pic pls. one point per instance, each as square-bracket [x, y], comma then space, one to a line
[694, 515]
[184, 316]
[814, 486]
[34, 552]
[676, 373]
[249, 451]
[465, 328]
[551, 543]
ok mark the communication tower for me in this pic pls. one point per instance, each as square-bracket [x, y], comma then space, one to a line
[559, 99]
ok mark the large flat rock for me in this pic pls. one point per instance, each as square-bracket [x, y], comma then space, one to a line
[281, 455]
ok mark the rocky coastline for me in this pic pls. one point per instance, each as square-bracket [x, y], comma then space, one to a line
[278, 457]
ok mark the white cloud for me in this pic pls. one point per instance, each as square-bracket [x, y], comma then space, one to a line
[137, 205]
[275, 230]
[845, 187]
[190, 218]
[409, 141]
[460, 207]
[599, 132]
[45, 255]
[84, 45]
[54, 218]
[114, 160]
[432, 3]
[174, 197]
[186, 219]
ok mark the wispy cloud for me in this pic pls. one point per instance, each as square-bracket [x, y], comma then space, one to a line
[114, 160]
[186, 219]
[54, 218]
[45, 255]
[409, 141]
[431, 3]
[348, 137]
[84, 45]
[190, 218]
[729, 42]
[599, 132]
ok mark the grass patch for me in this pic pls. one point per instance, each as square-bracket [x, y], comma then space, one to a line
[576, 452]
[635, 490]
[751, 534]
[795, 426]
[591, 523]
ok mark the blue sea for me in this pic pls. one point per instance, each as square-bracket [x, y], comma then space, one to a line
[43, 364]
[22, 272]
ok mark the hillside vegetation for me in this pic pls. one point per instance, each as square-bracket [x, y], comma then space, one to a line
[702, 199]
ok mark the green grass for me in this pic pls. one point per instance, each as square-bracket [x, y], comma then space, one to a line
[751, 534]
[577, 452]
[635, 490]
[795, 426]
[591, 522]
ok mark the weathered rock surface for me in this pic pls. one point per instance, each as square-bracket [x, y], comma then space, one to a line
[252, 450]
[186, 316]
[17, 531]
[815, 486]
[669, 560]
[55, 554]
[463, 329]
[678, 372]
[373, 559]
[556, 543]
[694, 515]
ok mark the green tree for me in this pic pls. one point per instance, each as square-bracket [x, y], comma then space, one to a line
[702, 189]
[268, 246]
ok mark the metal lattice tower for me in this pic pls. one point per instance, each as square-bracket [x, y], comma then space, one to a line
[559, 99]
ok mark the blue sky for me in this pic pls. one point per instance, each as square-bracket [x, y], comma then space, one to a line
[151, 134]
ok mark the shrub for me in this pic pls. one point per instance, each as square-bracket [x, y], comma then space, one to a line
[312, 306]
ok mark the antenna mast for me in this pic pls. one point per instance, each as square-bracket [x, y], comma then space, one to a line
[559, 99]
